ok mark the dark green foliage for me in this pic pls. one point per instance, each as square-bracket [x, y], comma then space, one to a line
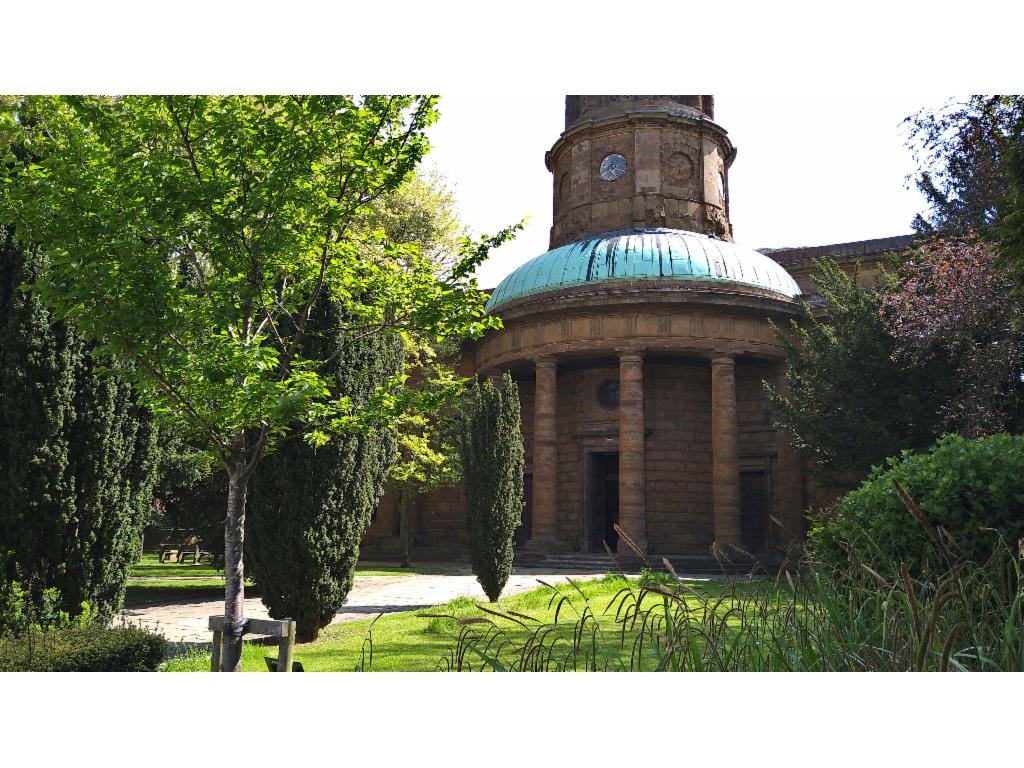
[190, 495]
[848, 404]
[309, 507]
[1009, 229]
[19, 613]
[491, 444]
[77, 454]
[971, 489]
[84, 649]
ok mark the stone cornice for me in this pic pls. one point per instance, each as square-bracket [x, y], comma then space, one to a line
[652, 294]
[656, 115]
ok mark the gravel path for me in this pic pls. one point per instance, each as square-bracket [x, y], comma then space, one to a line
[370, 595]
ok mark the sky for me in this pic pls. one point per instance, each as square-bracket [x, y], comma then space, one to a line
[828, 168]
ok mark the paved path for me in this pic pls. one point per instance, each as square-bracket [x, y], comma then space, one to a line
[370, 595]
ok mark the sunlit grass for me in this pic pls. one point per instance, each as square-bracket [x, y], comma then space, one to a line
[419, 641]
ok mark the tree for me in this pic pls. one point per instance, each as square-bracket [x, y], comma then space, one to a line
[951, 300]
[427, 460]
[310, 505]
[77, 453]
[849, 404]
[193, 236]
[1009, 229]
[491, 446]
[961, 151]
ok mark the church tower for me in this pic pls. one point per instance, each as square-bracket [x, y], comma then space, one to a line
[632, 162]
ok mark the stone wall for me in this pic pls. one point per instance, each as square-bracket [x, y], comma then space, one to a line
[678, 458]
[677, 416]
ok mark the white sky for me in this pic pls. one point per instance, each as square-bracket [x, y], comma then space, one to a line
[829, 168]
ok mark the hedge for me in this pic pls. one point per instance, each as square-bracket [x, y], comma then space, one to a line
[88, 649]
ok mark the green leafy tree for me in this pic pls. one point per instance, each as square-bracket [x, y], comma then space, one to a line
[310, 505]
[849, 404]
[427, 460]
[491, 446]
[77, 453]
[193, 236]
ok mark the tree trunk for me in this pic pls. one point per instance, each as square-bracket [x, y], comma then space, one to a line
[405, 503]
[234, 587]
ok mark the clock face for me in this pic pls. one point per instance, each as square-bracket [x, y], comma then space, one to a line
[613, 167]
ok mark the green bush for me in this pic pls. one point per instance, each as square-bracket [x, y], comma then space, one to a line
[971, 489]
[19, 613]
[83, 649]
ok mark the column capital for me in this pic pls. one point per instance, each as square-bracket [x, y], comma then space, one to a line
[631, 354]
[545, 362]
[723, 358]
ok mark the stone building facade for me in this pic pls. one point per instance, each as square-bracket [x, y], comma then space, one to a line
[640, 344]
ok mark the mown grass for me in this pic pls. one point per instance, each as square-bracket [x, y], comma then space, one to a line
[153, 582]
[143, 593]
[421, 641]
[150, 567]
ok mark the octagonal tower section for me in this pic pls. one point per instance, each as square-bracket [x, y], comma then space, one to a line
[633, 162]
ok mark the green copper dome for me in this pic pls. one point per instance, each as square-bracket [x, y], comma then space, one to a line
[644, 254]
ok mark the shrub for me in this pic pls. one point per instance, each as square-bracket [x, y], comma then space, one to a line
[971, 489]
[491, 444]
[83, 649]
[19, 613]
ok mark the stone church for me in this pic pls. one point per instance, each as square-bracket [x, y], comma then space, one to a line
[640, 343]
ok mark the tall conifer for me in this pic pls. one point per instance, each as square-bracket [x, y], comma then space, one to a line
[77, 454]
[309, 507]
[491, 444]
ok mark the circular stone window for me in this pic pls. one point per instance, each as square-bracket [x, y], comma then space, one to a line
[608, 393]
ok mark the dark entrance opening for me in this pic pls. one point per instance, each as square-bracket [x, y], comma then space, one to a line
[753, 510]
[525, 531]
[604, 501]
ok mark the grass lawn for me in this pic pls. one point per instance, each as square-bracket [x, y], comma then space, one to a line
[410, 642]
[150, 567]
[154, 582]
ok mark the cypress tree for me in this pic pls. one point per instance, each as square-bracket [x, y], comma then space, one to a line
[491, 444]
[309, 507]
[77, 453]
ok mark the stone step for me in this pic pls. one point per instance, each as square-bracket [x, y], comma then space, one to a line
[683, 564]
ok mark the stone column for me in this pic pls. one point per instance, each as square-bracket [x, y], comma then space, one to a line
[632, 474]
[725, 451]
[545, 457]
[790, 483]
